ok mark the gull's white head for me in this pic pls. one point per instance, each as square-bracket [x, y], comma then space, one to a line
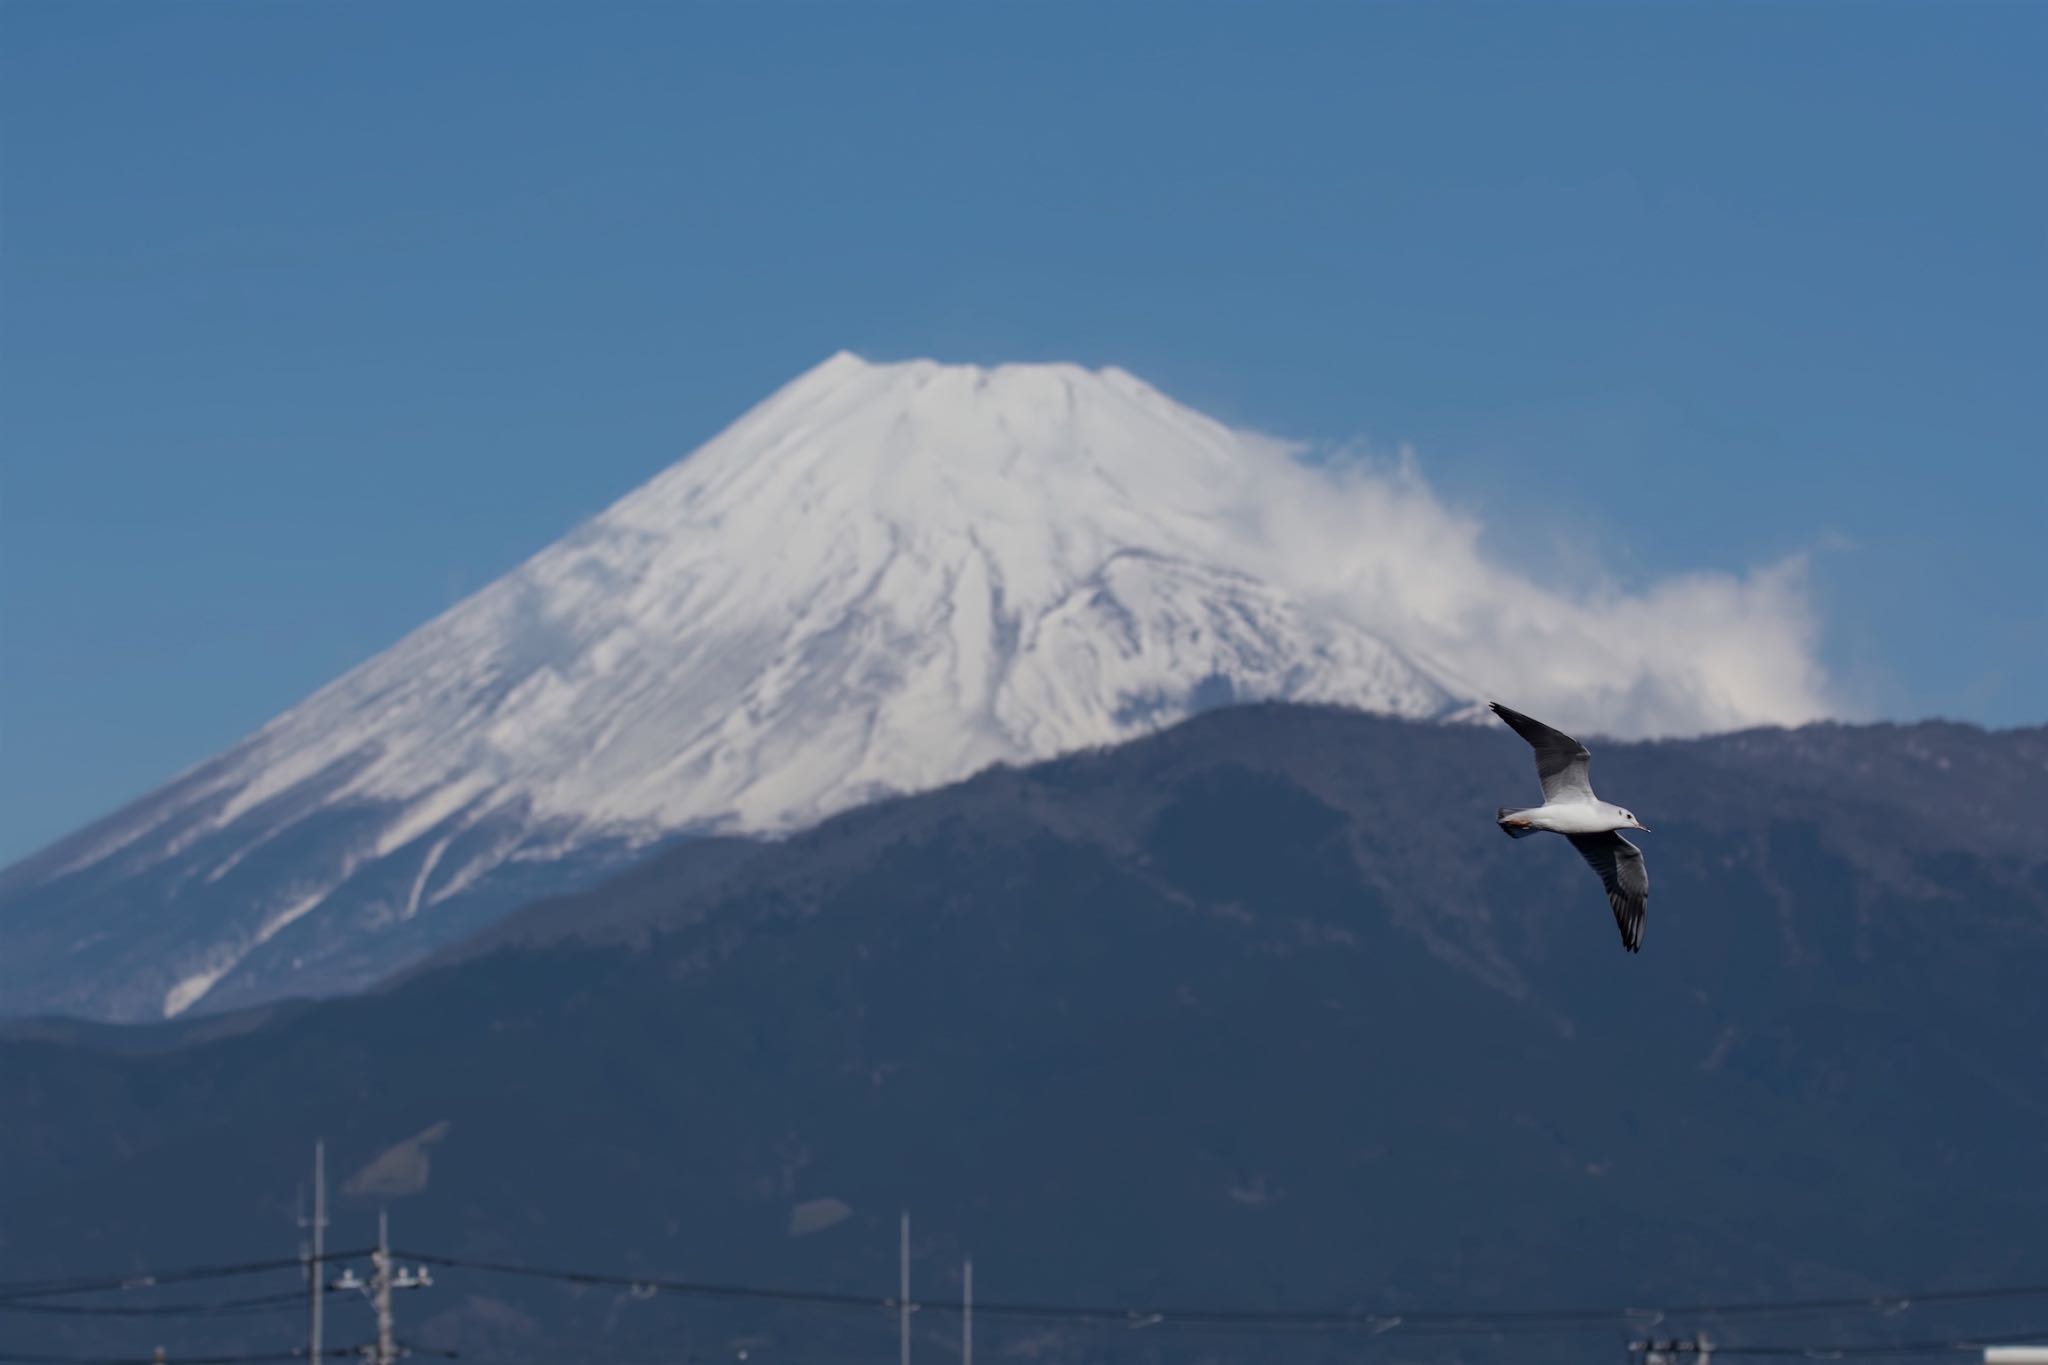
[1628, 819]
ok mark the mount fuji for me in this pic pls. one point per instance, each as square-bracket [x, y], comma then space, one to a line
[882, 579]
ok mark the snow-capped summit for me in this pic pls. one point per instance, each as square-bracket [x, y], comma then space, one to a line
[881, 579]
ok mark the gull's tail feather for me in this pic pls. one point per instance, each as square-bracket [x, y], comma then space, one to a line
[1511, 824]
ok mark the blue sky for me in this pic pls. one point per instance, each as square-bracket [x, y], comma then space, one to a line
[318, 316]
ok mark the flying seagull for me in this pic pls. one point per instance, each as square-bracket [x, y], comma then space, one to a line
[1570, 808]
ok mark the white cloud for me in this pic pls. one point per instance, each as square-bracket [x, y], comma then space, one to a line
[1686, 654]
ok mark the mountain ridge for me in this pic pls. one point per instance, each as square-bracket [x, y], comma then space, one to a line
[1259, 1006]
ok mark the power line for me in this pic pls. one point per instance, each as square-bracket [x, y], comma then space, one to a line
[38, 1289]
[22, 1296]
[15, 1296]
[252, 1359]
[218, 1307]
[1361, 1319]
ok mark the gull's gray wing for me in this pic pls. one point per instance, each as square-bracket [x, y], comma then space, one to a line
[1561, 761]
[1620, 865]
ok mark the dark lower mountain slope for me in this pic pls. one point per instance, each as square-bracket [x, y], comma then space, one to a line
[1261, 1010]
[109, 927]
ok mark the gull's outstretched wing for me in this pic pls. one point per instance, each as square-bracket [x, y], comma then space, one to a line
[1620, 865]
[1561, 761]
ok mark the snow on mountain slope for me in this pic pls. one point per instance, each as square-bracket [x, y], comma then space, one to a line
[881, 579]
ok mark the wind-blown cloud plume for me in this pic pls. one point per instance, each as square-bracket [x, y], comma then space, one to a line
[1687, 654]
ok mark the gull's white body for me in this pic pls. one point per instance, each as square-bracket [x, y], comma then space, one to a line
[1575, 817]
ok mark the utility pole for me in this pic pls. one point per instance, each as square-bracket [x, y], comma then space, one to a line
[380, 1290]
[1655, 1352]
[967, 1312]
[903, 1295]
[384, 1277]
[316, 1267]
